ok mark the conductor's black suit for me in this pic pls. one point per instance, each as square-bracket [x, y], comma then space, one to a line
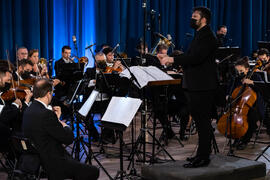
[200, 82]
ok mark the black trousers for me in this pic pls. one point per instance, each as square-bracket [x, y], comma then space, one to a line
[200, 104]
[72, 169]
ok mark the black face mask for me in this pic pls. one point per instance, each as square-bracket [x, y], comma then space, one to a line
[26, 75]
[241, 75]
[193, 24]
[221, 36]
[6, 87]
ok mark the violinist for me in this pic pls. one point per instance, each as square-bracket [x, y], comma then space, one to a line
[24, 70]
[111, 64]
[9, 112]
[257, 111]
[264, 56]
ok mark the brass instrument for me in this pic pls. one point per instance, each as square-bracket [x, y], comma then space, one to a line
[162, 40]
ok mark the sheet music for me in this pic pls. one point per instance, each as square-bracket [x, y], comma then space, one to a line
[88, 103]
[121, 110]
[146, 74]
[1, 108]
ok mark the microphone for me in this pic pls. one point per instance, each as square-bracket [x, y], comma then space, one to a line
[74, 40]
[90, 46]
[167, 41]
[117, 45]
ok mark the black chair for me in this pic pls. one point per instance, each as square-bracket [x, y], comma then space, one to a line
[27, 163]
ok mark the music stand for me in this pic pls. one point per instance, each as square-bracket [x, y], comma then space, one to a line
[118, 116]
[82, 113]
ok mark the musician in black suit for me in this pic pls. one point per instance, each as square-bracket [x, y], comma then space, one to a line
[9, 113]
[42, 125]
[199, 80]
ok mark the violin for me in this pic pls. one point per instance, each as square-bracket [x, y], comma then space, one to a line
[234, 123]
[17, 91]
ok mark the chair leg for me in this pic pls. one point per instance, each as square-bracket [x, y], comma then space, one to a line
[257, 133]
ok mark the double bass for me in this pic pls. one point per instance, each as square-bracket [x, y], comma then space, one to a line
[234, 122]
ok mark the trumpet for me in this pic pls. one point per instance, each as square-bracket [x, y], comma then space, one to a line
[162, 40]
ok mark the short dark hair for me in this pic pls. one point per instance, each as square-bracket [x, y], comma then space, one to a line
[4, 67]
[32, 51]
[204, 12]
[263, 51]
[107, 50]
[24, 62]
[221, 26]
[162, 46]
[65, 47]
[243, 62]
[41, 88]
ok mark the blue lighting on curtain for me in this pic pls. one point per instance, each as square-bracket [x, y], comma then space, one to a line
[76, 19]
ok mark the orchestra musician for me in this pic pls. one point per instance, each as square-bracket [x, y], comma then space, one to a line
[221, 35]
[264, 56]
[24, 70]
[111, 64]
[22, 53]
[38, 69]
[255, 113]
[9, 112]
[199, 81]
[42, 124]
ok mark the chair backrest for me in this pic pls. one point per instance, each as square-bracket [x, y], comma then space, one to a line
[26, 154]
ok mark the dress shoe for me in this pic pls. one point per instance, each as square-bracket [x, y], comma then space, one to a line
[190, 159]
[241, 145]
[198, 162]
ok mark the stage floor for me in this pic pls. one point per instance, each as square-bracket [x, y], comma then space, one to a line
[112, 165]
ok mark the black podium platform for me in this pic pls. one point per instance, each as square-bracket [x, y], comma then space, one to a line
[220, 168]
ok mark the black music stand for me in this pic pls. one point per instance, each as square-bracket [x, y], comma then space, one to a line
[118, 116]
[225, 64]
[264, 44]
[264, 88]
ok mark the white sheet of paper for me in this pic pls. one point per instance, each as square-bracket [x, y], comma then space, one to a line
[84, 110]
[121, 110]
[1, 108]
[146, 74]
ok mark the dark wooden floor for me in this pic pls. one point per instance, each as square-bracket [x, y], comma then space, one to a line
[112, 165]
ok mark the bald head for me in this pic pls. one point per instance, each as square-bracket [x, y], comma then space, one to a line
[41, 88]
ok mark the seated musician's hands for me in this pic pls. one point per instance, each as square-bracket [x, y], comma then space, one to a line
[247, 81]
[18, 102]
[117, 64]
[57, 111]
[28, 96]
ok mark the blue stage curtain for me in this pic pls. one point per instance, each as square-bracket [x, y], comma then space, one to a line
[49, 24]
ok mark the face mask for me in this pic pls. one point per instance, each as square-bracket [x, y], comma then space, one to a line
[193, 24]
[221, 36]
[6, 87]
[26, 75]
[241, 75]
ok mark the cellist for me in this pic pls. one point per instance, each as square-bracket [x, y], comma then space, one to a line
[256, 112]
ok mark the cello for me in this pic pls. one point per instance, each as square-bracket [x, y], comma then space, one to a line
[234, 122]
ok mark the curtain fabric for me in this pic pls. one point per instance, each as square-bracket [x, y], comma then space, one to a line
[47, 25]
